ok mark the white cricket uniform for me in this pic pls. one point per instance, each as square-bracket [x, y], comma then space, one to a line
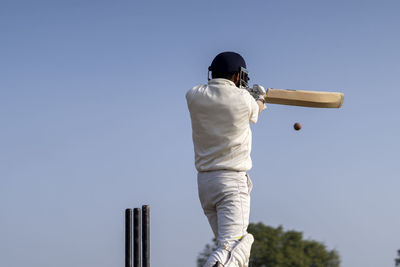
[220, 113]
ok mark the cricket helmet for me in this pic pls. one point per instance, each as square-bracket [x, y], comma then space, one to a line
[227, 62]
[230, 62]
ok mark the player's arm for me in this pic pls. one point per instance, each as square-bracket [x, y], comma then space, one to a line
[258, 92]
[255, 99]
[261, 106]
[255, 108]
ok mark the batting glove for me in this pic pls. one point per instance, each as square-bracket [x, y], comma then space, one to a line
[258, 92]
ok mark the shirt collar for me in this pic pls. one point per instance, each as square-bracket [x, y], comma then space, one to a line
[221, 81]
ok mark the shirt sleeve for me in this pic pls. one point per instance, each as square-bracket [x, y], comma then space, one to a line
[253, 107]
[189, 96]
[192, 92]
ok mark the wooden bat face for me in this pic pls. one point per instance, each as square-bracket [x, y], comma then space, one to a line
[303, 98]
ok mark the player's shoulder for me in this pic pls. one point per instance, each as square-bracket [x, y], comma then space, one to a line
[194, 90]
[246, 98]
[245, 94]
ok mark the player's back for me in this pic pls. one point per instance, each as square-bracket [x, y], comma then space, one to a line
[220, 114]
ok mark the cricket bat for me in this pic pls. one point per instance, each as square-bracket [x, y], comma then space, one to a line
[304, 98]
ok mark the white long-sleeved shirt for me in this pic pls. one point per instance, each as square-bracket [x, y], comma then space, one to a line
[220, 113]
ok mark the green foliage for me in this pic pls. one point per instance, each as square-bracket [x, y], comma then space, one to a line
[397, 260]
[274, 247]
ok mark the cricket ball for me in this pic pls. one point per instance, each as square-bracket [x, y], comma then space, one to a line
[297, 126]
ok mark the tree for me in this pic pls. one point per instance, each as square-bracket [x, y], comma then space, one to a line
[274, 247]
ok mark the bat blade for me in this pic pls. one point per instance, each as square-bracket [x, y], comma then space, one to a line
[304, 98]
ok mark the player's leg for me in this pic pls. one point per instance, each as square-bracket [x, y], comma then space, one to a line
[209, 195]
[233, 220]
[207, 199]
[233, 210]
[212, 220]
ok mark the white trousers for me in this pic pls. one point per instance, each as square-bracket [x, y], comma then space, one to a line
[225, 199]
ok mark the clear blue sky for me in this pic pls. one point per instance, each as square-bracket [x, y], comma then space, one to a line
[93, 120]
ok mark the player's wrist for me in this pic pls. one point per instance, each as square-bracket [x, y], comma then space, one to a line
[261, 98]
